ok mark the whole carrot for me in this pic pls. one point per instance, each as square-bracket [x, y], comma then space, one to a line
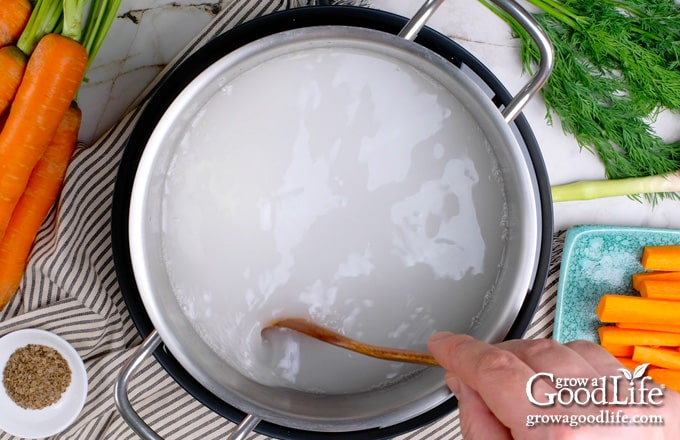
[52, 78]
[41, 129]
[43, 20]
[41, 192]
[14, 15]
[12, 64]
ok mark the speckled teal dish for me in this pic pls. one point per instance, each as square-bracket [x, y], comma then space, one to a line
[598, 260]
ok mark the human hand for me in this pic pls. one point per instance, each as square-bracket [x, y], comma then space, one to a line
[495, 389]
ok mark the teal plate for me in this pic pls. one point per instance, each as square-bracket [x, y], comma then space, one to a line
[598, 260]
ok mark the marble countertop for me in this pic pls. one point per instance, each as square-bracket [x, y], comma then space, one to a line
[147, 34]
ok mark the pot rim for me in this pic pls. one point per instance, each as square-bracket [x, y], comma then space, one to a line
[309, 411]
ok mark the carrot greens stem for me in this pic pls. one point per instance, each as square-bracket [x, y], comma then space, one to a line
[73, 19]
[69, 18]
[45, 19]
[102, 14]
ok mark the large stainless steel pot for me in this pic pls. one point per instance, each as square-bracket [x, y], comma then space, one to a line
[371, 414]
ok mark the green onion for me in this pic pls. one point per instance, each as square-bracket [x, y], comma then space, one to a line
[633, 186]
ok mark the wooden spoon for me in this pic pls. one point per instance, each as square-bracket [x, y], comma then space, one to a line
[323, 334]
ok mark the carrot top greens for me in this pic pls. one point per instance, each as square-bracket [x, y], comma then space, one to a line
[616, 67]
[102, 14]
[73, 19]
[45, 19]
[69, 18]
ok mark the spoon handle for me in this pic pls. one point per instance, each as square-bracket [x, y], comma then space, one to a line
[331, 337]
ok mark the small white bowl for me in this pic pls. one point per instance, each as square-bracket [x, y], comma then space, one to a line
[40, 423]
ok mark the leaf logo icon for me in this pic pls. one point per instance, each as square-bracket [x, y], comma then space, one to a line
[640, 371]
[627, 374]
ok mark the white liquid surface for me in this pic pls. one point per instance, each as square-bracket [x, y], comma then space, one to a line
[337, 186]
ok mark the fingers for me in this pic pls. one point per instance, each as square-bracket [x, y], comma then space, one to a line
[599, 358]
[498, 376]
[476, 420]
[500, 387]
[547, 355]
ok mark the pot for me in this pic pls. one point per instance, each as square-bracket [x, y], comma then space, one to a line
[519, 241]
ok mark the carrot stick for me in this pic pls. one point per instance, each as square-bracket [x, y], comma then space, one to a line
[14, 15]
[53, 74]
[611, 335]
[12, 66]
[660, 357]
[660, 289]
[668, 377]
[639, 277]
[661, 258]
[619, 350]
[668, 328]
[628, 362]
[41, 192]
[620, 308]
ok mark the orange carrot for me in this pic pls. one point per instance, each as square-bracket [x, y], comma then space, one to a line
[12, 66]
[41, 192]
[656, 275]
[619, 350]
[628, 362]
[668, 328]
[660, 289]
[14, 15]
[661, 258]
[611, 335]
[668, 377]
[53, 74]
[620, 308]
[660, 357]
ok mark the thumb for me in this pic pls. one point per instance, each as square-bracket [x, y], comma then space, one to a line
[441, 345]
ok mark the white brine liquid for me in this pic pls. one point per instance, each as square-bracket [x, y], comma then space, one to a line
[340, 187]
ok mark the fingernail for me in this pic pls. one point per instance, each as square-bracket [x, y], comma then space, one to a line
[439, 336]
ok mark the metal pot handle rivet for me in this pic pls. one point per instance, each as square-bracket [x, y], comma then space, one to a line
[128, 413]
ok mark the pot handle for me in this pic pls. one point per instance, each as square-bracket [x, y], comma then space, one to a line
[136, 423]
[524, 19]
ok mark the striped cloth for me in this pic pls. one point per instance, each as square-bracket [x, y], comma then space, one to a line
[70, 288]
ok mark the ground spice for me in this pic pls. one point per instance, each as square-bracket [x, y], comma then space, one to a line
[36, 376]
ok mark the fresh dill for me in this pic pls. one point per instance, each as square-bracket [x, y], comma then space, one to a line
[617, 65]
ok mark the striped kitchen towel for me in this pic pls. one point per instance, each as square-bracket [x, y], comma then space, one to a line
[70, 287]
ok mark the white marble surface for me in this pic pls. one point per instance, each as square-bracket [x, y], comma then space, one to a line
[149, 33]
